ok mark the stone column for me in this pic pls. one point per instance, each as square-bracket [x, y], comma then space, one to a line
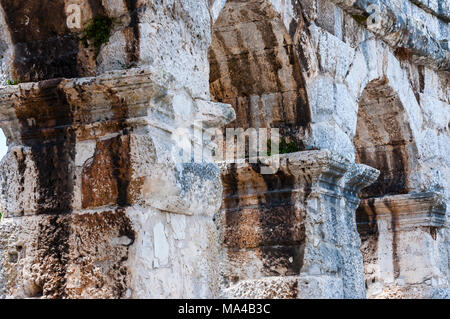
[94, 201]
[357, 178]
[404, 245]
[281, 231]
[331, 260]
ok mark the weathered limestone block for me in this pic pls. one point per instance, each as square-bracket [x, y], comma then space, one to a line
[96, 201]
[66, 256]
[439, 8]
[403, 239]
[416, 34]
[292, 224]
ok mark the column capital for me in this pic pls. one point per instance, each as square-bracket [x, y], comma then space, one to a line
[358, 177]
[427, 209]
[108, 140]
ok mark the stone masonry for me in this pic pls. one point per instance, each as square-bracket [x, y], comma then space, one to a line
[101, 196]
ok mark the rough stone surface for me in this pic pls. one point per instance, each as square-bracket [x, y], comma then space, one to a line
[101, 197]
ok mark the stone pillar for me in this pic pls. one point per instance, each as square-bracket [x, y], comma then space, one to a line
[281, 231]
[331, 238]
[95, 203]
[404, 245]
[358, 177]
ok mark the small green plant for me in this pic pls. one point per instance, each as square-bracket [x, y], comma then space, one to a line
[284, 147]
[97, 32]
[13, 82]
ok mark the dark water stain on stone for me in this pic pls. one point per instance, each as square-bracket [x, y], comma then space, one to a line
[122, 170]
[133, 46]
[270, 42]
[44, 47]
[97, 8]
[421, 71]
[230, 182]
[366, 223]
[393, 167]
[394, 227]
[434, 232]
[46, 119]
[279, 194]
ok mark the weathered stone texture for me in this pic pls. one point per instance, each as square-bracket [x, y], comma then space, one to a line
[311, 232]
[102, 198]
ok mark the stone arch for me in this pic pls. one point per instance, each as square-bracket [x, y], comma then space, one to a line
[384, 139]
[254, 66]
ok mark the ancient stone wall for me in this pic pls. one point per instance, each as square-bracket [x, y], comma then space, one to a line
[373, 93]
[97, 203]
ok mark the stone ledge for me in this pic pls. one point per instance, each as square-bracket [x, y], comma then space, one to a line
[359, 176]
[411, 210]
[136, 95]
[131, 117]
[322, 168]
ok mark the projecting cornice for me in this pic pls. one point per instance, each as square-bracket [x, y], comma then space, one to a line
[135, 96]
[410, 210]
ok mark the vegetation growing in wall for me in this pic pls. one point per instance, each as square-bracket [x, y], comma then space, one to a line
[97, 32]
[13, 82]
[286, 146]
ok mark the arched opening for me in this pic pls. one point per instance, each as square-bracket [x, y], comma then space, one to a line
[255, 68]
[383, 140]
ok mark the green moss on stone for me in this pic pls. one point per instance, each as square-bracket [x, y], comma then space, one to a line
[97, 32]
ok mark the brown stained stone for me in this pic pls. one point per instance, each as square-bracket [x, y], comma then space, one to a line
[52, 257]
[45, 48]
[275, 260]
[383, 139]
[105, 178]
[96, 130]
[100, 261]
[250, 228]
[403, 54]
[254, 67]
[78, 256]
